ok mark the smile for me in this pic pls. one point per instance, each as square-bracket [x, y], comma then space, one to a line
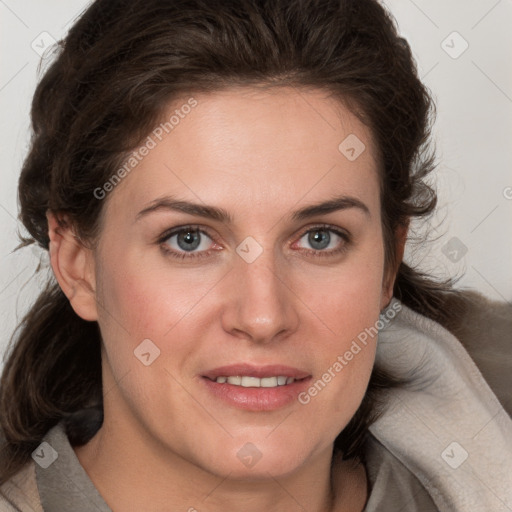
[254, 382]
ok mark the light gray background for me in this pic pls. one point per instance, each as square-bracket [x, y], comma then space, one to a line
[473, 133]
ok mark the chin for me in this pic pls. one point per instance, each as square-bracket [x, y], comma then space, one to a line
[257, 459]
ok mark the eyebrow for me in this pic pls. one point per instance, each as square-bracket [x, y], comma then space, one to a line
[221, 215]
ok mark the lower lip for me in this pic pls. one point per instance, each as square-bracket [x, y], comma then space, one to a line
[257, 399]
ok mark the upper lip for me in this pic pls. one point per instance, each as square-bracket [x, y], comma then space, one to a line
[273, 370]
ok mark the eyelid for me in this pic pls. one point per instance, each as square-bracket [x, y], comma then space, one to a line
[328, 227]
[184, 227]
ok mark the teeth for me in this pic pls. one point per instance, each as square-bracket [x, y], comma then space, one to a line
[251, 382]
[268, 382]
[254, 382]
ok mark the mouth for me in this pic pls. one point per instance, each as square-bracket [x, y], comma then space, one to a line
[247, 381]
[256, 388]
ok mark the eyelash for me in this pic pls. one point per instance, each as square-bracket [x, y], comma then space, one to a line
[312, 252]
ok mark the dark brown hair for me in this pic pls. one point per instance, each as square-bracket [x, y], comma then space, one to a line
[119, 66]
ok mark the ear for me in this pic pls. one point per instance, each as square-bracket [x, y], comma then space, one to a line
[73, 265]
[389, 282]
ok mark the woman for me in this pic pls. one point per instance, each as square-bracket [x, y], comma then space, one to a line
[225, 190]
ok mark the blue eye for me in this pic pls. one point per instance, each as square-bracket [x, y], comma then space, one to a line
[185, 240]
[325, 241]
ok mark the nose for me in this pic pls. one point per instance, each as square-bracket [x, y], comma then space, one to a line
[261, 306]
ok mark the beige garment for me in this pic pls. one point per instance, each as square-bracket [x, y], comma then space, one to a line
[21, 492]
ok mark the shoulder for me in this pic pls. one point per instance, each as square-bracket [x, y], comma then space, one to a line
[391, 485]
[20, 493]
[485, 331]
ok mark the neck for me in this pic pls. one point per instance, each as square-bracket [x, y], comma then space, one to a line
[139, 479]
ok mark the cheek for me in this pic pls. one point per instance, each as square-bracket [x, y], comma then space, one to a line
[347, 298]
[140, 303]
[345, 363]
[147, 300]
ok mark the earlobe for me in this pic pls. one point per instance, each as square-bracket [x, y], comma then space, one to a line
[400, 239]
[72, 264]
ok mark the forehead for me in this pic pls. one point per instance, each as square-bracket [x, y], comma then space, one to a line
[250, 147]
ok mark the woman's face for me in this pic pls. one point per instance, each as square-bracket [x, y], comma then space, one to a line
[265, 281]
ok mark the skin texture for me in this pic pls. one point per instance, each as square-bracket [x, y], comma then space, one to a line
[260, 155]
